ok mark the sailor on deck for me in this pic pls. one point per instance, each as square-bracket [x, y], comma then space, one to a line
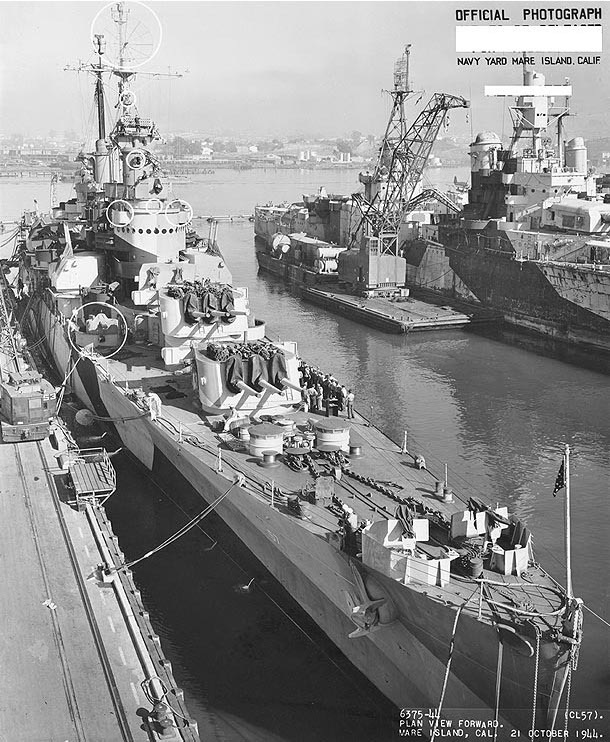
[349, 400]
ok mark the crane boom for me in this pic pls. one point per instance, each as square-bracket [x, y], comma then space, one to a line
[390, 188]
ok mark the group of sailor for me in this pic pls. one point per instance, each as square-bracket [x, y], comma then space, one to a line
[324, 392]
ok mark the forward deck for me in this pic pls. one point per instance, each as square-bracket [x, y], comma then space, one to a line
[372, 484]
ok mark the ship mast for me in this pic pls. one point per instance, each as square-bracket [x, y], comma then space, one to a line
[533, 114]
[120, 49]
[100, 47]
[120, 15]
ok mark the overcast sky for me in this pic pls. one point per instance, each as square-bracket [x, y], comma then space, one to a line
[265, 68]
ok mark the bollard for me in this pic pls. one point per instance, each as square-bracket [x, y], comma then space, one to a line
[162, 720]
[447, 493]
[268, 460]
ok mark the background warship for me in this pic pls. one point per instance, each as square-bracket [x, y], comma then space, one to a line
[529, 239]
[532, 241]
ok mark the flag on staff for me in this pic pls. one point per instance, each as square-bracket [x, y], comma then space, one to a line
[560, 482]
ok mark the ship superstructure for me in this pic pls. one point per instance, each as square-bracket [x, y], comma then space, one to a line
[437, 598]
[533, 240]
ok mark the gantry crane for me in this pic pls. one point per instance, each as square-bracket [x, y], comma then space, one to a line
[388, 190]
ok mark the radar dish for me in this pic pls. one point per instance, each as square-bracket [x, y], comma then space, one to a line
[132, 34]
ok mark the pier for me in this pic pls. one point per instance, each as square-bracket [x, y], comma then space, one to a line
[25, 171]
[80, 658]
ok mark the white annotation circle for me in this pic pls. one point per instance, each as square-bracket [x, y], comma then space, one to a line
[122, 202]
[181, 202]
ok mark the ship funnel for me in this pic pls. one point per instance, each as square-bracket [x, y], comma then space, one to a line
[576, 155]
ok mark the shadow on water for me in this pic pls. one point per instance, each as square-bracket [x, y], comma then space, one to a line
[250, 653]
[495, 406]
[592, 360]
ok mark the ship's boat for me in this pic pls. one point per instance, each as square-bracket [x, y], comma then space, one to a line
[437, 598]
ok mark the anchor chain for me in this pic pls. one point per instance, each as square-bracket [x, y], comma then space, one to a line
[575, 650]
[536, 670]
[569, 688]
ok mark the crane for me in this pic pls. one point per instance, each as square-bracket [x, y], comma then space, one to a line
[388, 190]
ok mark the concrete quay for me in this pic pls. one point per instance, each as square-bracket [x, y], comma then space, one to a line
[79, 657]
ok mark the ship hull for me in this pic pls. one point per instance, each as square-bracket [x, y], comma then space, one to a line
[569, 303]
[407, 658]
[294, 274]
[530, 295]
[265, 228]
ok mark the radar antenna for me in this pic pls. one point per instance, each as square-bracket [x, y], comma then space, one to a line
[124, 36]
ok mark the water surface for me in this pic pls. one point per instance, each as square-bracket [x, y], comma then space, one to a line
[496, 413]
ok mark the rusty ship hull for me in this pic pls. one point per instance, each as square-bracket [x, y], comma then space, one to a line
[568, 302]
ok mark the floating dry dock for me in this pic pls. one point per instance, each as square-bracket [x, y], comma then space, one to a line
[409, 315]
[80, 658]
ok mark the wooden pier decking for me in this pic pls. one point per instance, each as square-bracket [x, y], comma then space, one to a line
[73, 662]
[409, 315]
